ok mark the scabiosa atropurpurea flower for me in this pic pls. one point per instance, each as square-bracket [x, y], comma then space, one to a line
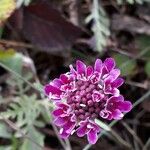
[84, 94]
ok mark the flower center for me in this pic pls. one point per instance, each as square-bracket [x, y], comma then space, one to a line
[81, 100]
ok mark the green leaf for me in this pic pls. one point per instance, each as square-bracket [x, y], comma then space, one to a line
[12, 60]
[35, 136]
[147, 68]
[100, 26]
[5, 148]
[38, 86]
[4, 131]
[45, 113]
[143, 43]
[126, 65]
[6, 54]
[102, 125]
[14, 143]
[25, 110]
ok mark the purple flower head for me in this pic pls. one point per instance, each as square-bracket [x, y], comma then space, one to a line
[86, 93]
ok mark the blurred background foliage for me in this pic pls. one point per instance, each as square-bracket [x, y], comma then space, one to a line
[40, 38]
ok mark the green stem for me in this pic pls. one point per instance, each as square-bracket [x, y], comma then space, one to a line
[19, 76]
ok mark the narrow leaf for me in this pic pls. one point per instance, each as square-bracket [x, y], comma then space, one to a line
[102, 125]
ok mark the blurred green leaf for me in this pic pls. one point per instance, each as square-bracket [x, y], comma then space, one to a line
[4, 131]
[6, 54]
[14, 143]
[38, 86]
[12, 60]
[100, 26]
[5, 148]
[25, 114]
[102, 125]
[125, 64]
[147, 68]
[37, 137]
[45, 113]
[143, 42]
[23, 110]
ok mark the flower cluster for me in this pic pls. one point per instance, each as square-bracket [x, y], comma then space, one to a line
[86, 93]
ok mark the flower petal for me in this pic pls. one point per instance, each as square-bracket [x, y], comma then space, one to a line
[125, 106]
[89, 71]
[115, 99]
[63, 134]
[72, 70]
[57, 83]
[115, 92]
[60, 121]
[113, 75]
[118, 82]
[82, 130]
[57, 112]
[92, 136]
[117, 114]
[81, 67]
[98, 65]
[64, 78]
[112, 91]
[62, 105]
[51, 89]
[109, 63]
[69, 126]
